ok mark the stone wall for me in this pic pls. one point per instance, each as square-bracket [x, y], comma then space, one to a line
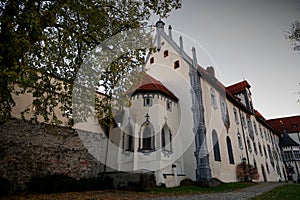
[35, 150]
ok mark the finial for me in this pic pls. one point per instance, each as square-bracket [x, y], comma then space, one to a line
[147, 117]
[170, 31]
[181, 44]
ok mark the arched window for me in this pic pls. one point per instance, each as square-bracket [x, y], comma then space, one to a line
[254, 162]
[176, 64]
[229, 149]
[147, 136]
[128, 138]
[151, 60]
[166, 138]
[250, 128]
[240, 140]
[216, 146]
[249, 145]
[265, 152]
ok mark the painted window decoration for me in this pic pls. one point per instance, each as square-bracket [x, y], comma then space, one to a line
[128, 138]
[166, 138]
[270, 155]
[215, 141]
[229, 149]
[147, 136]
[254, 147]
[265, 152]
[259, 148]
[147, 101]
[255, 128]
[243, 121]
[250, 128]
[240, 140]
[224, 112]
[236, 116]
[213, 99]
[249, 145]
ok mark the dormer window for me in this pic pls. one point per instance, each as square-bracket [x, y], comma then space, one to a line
[166, 53]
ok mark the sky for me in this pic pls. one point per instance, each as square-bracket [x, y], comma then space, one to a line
[245, 40]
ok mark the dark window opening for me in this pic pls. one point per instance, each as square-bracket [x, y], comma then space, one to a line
[169, 106]
[229, 149]
[147, 101]
[217, 154]
[151, 60]
[166, 53]
[176, 64]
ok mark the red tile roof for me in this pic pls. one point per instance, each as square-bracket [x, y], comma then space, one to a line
[150, 84]
[238, 87]
[291, 124]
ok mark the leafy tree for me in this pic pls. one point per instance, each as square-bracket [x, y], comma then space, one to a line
[53, 38]
[294, 35]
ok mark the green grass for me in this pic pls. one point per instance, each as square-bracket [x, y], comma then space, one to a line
[191, 188]
[291, 191]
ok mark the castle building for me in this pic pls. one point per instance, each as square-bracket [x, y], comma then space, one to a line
[183, 123]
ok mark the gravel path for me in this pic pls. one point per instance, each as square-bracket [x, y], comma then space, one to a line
[244, 193]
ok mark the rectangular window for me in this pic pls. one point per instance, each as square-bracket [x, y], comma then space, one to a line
[169, 105]
[147, 101]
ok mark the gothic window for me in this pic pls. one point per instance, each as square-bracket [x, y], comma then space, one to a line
[243, 121]
[261, 133]
[176, 64]
[265, 152]
[213, 98]
[259, 148]
[147, 101]
[128, 138]
[250, 128]
[254, 147]
[215, 140]
[229, 149]
[254, 162]
[236, 118]
[166, 138]
[166, 53]
[267, 166]
[249, 145]
[147, 136]
[224, 112]
[240, 140]
[270, 155]
[255, 128]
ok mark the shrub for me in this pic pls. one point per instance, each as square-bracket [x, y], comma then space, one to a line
[246, 172]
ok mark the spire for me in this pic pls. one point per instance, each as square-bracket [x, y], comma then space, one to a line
[159, 28]
[170, 31]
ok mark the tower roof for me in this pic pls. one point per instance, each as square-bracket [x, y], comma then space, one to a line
[148, 84]
[238, 87]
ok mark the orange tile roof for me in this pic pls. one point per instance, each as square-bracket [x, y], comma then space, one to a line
[150, 84]
[290, 124]
[238, 87]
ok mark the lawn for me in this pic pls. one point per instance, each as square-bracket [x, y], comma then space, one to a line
[291, 191]
[186, 189]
